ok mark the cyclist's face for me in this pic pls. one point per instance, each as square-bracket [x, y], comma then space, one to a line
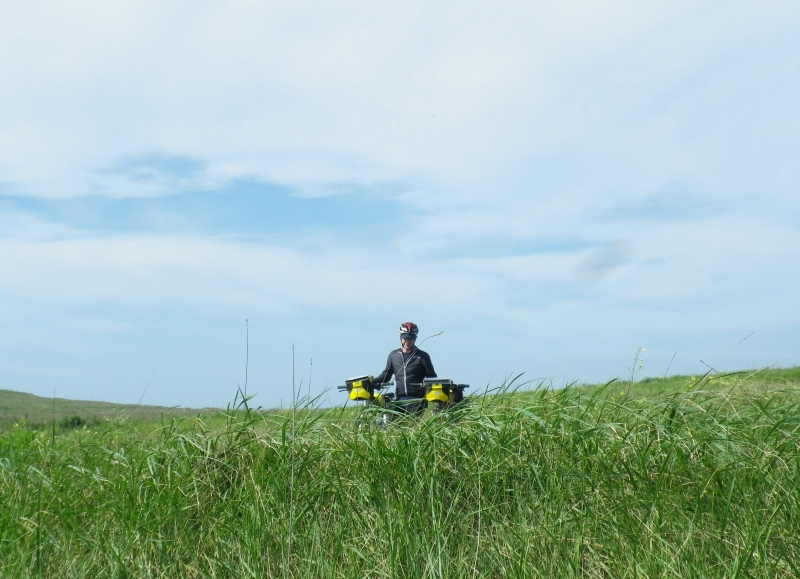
[407, 344]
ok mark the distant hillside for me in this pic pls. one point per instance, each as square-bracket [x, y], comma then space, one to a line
[39, 412]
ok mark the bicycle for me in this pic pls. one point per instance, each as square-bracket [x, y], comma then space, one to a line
[441, 394]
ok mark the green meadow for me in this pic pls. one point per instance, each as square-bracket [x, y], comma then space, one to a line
[677, 477]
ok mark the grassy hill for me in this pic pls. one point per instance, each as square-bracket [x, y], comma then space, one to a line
[38, 412]
[678, 477]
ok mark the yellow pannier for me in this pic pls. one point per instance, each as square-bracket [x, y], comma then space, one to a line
[358, 392]
[436, 394]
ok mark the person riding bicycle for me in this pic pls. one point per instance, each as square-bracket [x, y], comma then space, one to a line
[410, 366]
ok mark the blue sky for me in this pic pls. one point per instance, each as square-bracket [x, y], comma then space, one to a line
[551, 186]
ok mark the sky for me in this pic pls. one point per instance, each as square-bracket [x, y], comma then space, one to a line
[202, 197]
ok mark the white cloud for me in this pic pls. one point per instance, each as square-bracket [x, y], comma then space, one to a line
[346, 91]
[671, 265]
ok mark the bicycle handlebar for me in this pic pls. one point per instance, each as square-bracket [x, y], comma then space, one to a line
[421, 384]
[377, 385]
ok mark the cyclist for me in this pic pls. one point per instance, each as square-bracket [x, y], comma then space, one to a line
[410, 366]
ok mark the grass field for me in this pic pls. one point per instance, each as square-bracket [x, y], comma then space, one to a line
[680, 477]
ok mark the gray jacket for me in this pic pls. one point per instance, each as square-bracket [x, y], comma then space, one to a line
[413, 371]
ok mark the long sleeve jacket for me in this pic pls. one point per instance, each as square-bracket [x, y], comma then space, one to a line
[412, 371]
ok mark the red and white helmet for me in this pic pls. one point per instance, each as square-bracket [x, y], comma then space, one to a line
[409, 330]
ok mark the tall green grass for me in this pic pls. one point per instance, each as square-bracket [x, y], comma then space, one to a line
[690, 481]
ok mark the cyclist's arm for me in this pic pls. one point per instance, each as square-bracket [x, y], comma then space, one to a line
[387, 372]
[429, 371]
